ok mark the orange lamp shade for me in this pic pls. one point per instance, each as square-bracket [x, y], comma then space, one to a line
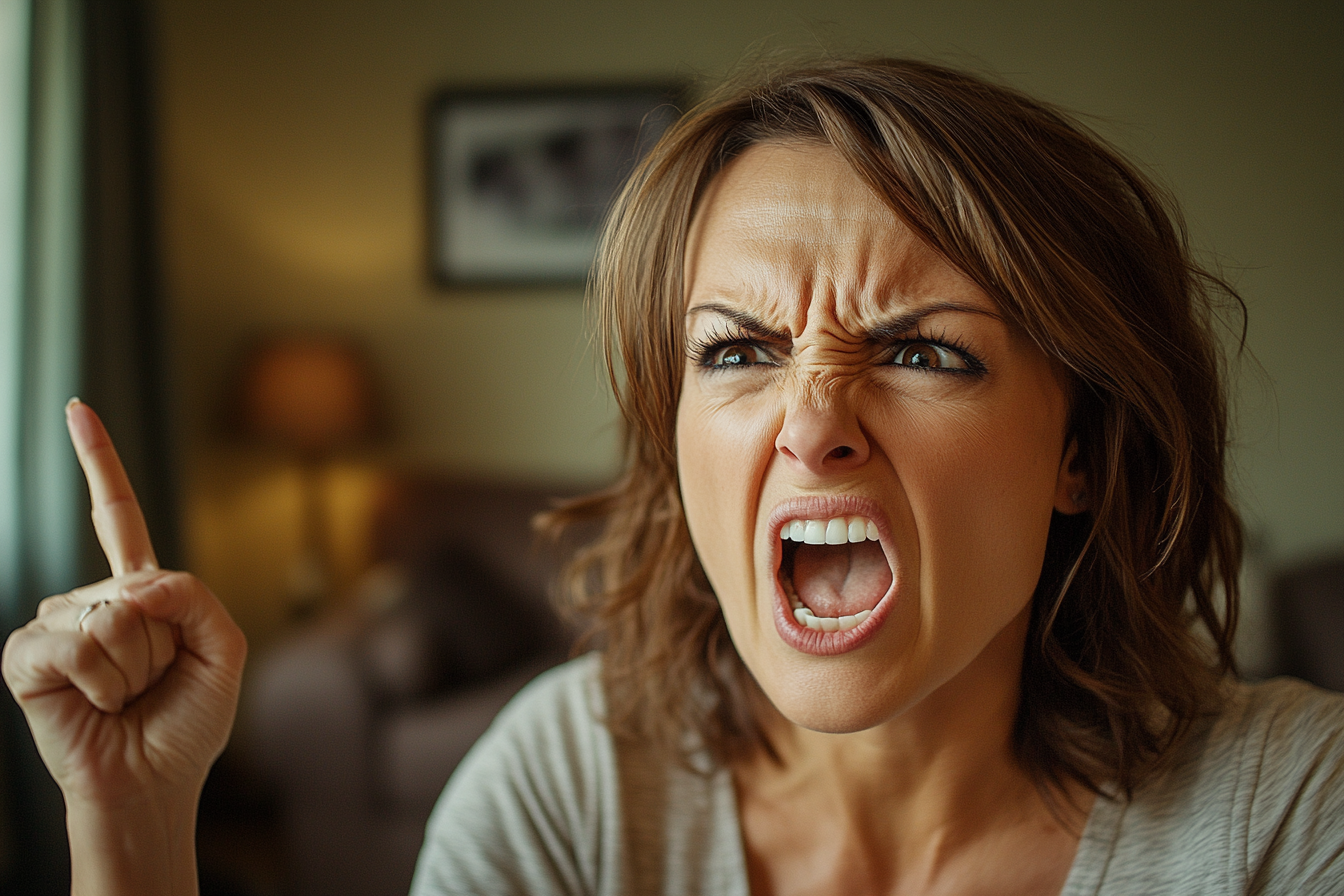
[310, 394]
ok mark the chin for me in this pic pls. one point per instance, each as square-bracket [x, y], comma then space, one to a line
[832, 701]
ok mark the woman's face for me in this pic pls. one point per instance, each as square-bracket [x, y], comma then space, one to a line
[868, 453]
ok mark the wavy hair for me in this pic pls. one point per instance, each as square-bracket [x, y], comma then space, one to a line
[1133, 617]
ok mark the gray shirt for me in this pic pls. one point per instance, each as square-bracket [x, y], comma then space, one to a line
[1253, 804]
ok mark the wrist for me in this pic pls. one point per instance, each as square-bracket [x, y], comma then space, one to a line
[144, 846]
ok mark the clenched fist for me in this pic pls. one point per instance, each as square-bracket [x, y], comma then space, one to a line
[130, 687]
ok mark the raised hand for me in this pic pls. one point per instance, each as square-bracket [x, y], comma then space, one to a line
[130, 687]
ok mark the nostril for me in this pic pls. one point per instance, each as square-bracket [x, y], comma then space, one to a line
[821, 441]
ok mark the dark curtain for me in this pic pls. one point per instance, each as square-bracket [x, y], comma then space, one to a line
[107, 342]
[124, 376]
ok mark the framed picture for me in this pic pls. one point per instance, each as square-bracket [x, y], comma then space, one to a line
[520, 179]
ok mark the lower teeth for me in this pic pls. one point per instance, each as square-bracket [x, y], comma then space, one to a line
[828, 623]
[805, 616]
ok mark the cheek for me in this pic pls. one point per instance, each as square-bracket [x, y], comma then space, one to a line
[722, 452]
[984, 498]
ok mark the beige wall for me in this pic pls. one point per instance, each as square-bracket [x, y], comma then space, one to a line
[293, 198]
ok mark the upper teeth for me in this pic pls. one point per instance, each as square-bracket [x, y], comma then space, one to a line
[840, 530]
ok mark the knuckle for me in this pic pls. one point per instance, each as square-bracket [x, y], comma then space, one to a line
[52, 604]
[169, 583]
[184, 581]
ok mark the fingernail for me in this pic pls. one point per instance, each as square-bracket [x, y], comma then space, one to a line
[81, 425]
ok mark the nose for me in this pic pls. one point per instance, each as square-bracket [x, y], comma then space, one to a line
[822, 437]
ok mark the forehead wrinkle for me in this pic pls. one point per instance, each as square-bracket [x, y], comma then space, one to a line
[879, 264]
[806, 247]
[778, 276]
[818, 252]
[779, 302]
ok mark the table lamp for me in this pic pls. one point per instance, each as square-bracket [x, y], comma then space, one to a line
[311, 396]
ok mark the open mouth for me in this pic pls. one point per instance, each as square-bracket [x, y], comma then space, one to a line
[833, 571]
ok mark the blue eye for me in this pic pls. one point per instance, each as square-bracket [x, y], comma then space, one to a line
[929, 356]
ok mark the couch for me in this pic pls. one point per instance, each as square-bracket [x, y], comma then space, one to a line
[358, 720]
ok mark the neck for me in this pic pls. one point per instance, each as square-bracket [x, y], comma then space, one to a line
[922, 788]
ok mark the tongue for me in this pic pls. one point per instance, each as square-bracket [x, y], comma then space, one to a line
[841, 579]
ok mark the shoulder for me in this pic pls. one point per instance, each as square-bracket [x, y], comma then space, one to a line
[1276, 752]
[1268, 741]
[531, 806]
[549, 739]
[1283, 711]
[1285, 741]
[1253, 802]
[564, 702]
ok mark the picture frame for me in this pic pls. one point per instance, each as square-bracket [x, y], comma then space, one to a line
[520, 179]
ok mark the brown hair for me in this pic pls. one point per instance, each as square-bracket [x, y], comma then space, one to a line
[1083, 254]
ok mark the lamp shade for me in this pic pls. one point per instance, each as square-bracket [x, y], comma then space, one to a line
[308, 393]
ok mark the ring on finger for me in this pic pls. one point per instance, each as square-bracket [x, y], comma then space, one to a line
[84, 614]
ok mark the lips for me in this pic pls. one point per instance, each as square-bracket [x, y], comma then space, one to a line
[834, 576]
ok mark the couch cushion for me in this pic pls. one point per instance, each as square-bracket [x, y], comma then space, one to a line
[456, 624]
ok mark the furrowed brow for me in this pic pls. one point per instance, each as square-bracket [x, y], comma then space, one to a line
[896, 327]
[743, 319]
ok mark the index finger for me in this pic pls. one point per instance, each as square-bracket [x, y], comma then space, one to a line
[117, 519]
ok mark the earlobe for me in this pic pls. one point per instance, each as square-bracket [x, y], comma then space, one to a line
[1071, 486]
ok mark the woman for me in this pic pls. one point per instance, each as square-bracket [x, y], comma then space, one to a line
[922, 575]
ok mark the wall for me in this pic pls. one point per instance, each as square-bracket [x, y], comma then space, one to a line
[293, 197]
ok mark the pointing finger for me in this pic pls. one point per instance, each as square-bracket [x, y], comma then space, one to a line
[116, 513]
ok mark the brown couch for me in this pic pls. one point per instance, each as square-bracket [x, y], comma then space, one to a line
[359, 720]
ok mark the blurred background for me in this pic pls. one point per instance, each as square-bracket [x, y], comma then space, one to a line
[202, 202]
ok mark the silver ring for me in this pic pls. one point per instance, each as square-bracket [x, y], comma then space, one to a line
[85, 614]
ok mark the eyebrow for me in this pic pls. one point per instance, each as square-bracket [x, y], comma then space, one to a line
[744, 319]
[886, 331]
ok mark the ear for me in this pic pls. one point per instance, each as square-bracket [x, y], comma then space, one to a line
[1071, 486]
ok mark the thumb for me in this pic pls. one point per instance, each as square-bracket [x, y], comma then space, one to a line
[184, 602]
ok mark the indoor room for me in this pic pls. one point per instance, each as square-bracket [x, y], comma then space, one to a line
[321, 266]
